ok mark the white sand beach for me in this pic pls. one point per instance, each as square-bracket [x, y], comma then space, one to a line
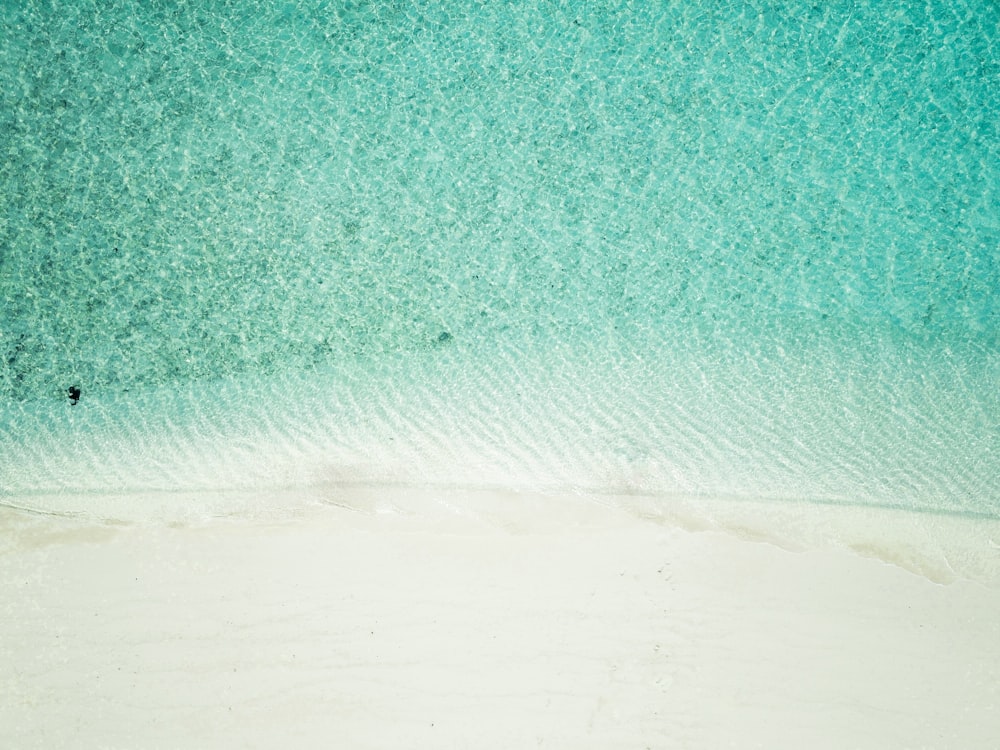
[554, 623]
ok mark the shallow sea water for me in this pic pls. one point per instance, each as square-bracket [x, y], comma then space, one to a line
[640, 247]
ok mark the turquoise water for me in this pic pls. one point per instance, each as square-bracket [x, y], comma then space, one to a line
[734, 250]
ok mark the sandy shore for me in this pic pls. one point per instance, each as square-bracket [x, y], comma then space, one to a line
[545, 626]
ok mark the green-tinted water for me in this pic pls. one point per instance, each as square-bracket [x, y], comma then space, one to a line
[673, 247]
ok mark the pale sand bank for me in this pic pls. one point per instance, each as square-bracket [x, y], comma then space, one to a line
[552, 624]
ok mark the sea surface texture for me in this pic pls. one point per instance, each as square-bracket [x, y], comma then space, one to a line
[733, 249]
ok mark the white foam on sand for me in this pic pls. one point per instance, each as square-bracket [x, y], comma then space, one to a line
[392, 618]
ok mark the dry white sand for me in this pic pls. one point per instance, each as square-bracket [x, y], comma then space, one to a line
[554, 623]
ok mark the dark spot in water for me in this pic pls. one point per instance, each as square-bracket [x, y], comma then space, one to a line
[74, 394]
[445, 336]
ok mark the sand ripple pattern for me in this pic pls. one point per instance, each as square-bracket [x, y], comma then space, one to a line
[697, 422]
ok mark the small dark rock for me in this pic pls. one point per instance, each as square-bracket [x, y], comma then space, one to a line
[445, 336]
[74, 394]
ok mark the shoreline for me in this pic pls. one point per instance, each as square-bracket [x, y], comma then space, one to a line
[418, 620]
[943, 547]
